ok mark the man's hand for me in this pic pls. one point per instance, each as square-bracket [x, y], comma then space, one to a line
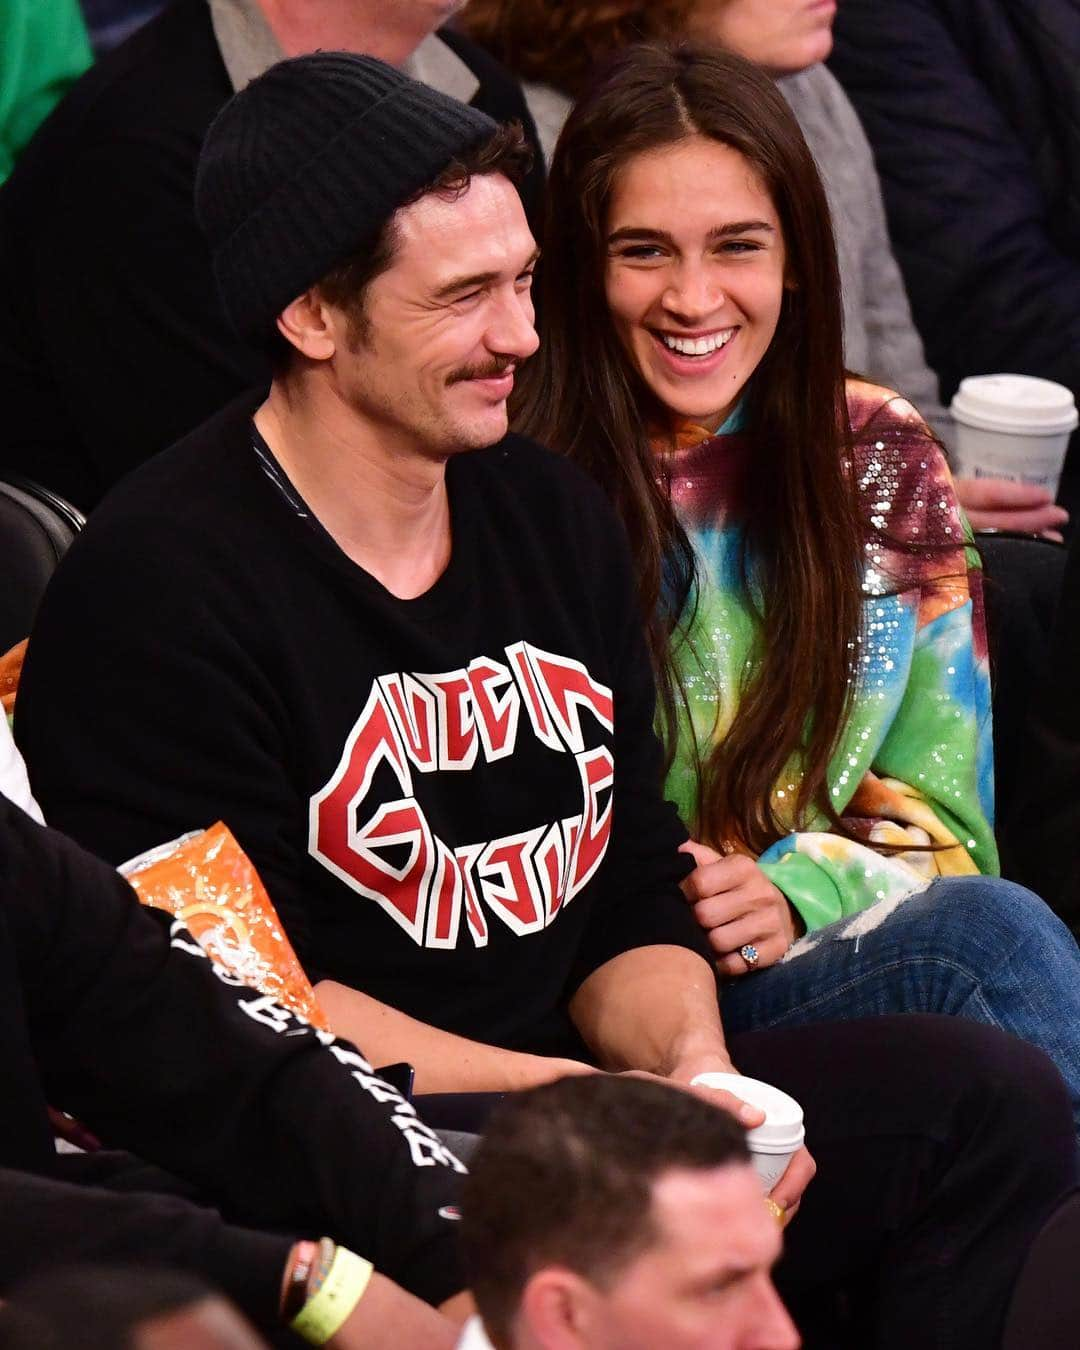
[800, 1171]
[737, 904]
[999, 504]
[788, 1191]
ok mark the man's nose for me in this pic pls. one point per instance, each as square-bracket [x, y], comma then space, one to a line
[511, 332]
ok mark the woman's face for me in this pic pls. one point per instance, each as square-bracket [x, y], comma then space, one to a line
[694, 274]
[781, 35]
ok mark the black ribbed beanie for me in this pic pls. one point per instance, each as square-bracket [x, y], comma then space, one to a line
[304, 167]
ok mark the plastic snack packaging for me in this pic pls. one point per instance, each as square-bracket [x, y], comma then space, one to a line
[208, 882]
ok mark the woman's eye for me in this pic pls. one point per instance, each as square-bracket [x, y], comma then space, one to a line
[637, 252]
[525, 281]
[730, 246]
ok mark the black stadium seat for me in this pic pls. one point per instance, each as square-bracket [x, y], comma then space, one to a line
[36, 528]
[1023, 582]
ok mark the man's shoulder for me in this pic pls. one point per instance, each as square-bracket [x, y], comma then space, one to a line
[524, 466]
[166, 79]
[496, 82]
[192, 487]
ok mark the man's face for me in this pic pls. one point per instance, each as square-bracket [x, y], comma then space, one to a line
[705, 1283]
[447, 324]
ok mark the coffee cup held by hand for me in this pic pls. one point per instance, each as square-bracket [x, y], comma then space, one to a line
[774, 1143]
[1012, 426]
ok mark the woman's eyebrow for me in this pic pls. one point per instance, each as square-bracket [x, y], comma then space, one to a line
[718, 232]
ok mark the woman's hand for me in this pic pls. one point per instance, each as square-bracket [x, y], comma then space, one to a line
[737, 904]
[999, 504]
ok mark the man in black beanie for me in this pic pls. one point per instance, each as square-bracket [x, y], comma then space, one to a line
[113, 343]
[403, 674]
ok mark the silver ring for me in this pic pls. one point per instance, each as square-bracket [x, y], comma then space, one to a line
[749, 954]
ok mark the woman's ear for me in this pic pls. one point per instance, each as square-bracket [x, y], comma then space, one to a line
[309, 326]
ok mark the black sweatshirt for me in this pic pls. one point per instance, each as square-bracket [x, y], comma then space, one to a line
[111, 1012]
[113, 343]
[425, 786]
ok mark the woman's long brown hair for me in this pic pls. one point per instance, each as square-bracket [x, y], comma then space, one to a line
[802, 533]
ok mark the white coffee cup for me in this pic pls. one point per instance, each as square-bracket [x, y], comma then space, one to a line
[1012, 426]
[774, 1143]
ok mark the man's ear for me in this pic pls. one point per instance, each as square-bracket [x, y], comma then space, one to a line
[559, 1311]
[307, 325]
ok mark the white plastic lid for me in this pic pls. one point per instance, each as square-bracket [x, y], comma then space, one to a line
[782, 1130]
[1015, 403]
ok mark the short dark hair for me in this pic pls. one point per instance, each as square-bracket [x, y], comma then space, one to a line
[507, 152]
[564, 1175]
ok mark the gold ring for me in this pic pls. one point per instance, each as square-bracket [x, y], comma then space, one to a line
[777, 1211]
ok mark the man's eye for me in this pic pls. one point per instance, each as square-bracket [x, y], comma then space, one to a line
[525, 280]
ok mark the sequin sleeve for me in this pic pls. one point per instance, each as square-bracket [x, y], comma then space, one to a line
[915, 763]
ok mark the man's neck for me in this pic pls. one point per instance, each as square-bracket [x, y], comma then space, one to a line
[378, 29]
[383, 503]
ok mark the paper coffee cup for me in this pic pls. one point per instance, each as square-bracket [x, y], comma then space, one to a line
[1012, 426]
[773, 1144]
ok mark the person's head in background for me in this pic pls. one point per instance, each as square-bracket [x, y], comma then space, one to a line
[108, 1308]
[562, 45]
[685, 208]
[391, 32]
[608, 1213]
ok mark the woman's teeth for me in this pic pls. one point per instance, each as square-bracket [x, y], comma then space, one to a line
[704, 346]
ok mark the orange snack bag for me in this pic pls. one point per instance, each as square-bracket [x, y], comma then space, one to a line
[207, 880]
[11, 664]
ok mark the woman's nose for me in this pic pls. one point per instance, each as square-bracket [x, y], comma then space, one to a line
[693, 294]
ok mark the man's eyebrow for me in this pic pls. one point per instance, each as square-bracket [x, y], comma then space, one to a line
[478, 280]
[724, 1276]
[643, 232]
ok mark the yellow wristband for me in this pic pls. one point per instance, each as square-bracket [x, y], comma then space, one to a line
[323, 1314]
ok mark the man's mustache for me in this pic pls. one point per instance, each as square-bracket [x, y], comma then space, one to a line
[490, 370]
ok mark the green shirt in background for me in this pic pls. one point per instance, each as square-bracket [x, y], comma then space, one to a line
[43, 49]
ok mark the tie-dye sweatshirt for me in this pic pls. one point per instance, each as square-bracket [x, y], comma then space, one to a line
[914, 761]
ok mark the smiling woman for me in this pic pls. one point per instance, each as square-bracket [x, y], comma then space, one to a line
[636, 252]
[814, 617]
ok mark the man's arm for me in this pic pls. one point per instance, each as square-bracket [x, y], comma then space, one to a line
[47, 1222]
[139, 1037]
[61, 1224]
[653, 1008]
[442, 1061]
[45, 49]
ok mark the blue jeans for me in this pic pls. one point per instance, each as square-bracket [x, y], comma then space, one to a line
[973, 947]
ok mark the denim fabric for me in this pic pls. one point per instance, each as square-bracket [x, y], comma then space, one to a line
[974, 947]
